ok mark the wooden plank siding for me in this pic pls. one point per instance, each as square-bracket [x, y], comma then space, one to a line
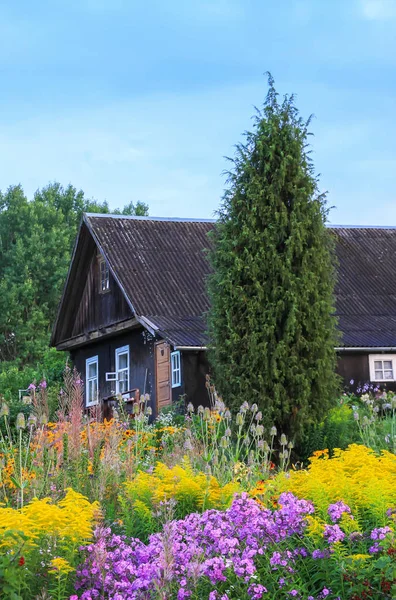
[98, 309]
[141, 362]
[354, 366]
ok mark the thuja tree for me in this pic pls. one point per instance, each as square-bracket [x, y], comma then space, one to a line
[271, 322]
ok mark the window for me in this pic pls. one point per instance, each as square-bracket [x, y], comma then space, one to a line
[92, 380]
[175, 368]
[122, 370]
[104, 276]
[382, 367]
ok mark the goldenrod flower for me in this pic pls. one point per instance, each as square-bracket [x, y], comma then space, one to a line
[60, 566]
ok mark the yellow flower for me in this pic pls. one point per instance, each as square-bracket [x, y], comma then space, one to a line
[60, 566]
[72, 519]
[358, 476]
[180, 482]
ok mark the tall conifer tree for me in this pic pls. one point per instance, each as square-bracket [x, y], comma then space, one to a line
[272, 321]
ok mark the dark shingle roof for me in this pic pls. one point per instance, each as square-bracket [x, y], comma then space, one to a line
[366, 286]
[161, 267]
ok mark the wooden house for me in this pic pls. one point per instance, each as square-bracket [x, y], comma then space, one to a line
[131, 314]
[132, 311]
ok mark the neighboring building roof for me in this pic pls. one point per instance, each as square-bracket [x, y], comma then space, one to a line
[161, 267]
[366, 286]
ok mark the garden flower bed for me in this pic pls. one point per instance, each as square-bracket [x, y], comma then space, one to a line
[202, 507]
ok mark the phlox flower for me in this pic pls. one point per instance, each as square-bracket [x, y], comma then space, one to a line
[337, 509]
[333, 534]
[256, 591]
[380, 533]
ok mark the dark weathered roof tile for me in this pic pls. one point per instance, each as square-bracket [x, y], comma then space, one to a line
[162, 267]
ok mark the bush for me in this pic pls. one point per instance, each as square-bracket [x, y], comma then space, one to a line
[337, 430]
[13, 378]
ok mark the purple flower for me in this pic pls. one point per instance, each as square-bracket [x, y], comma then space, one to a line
[43, 384]
[333, 534]
[380, 533]
[336, 510]
[31, 386]
[256, 591]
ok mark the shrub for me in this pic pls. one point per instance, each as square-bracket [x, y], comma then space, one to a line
[337, 430]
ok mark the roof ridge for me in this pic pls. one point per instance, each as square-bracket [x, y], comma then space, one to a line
[200, 220]
[331, 226]
[149, 218]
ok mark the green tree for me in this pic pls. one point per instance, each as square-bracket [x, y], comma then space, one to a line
[271, 321]
[36, 241]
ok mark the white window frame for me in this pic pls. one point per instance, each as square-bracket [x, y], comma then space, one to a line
[381, 357]
[118, 353]
[176, 369]
[94, 360]
[104, 279]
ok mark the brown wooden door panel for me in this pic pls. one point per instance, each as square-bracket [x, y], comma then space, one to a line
[163, 372]
[162, 375]
[163, 352]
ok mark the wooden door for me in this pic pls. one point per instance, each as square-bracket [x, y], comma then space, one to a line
[162, 375]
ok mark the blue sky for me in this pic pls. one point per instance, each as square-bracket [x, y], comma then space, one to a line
[142, 100]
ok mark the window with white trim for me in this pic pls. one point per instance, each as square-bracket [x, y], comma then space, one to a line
[175, 369]
[122, 369]
[104, 283]
[382, 367]
[92, 380]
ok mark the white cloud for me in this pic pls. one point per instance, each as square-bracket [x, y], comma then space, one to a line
[165, 150]
[378, 10]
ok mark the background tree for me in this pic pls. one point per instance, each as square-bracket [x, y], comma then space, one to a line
[272, 321]
[36, 241]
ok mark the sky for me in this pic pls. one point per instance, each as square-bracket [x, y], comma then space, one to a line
[142, 100]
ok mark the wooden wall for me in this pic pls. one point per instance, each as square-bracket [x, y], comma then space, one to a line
[195, 368]
[97, 309]
[355, 366]
[141, 357]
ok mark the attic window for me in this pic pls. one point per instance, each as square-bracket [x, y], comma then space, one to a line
[104, 276]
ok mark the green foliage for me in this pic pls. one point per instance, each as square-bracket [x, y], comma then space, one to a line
[50, 367]
[337, 430]
[271, 319]
[36, 241]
